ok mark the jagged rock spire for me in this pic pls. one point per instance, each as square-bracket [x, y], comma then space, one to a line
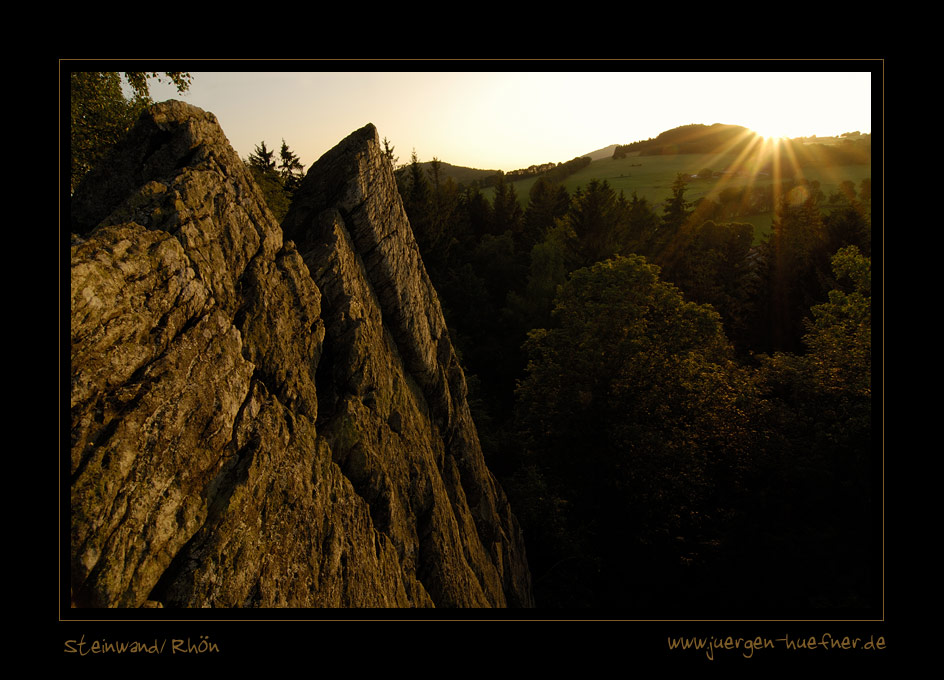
[260, 424]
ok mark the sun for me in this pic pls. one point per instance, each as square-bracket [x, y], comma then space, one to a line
[770, 133]
[763, 156]
[777, 124]
[780, 127]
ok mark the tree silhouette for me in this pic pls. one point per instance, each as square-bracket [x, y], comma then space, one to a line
[262, 158]
[291, 169]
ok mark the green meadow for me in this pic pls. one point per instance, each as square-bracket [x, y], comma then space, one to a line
[651, 177]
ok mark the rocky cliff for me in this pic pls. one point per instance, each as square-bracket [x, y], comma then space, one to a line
[268, 415]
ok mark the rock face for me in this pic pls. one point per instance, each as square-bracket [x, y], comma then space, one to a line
[268, 415]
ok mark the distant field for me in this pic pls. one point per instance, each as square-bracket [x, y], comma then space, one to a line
[651, 177]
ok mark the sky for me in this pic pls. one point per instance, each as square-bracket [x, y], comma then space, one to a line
[505, 120]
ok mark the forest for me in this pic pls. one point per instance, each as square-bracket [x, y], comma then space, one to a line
[680, 413]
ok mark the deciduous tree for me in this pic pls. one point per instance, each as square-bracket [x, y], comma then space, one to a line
[635, 414]
[100, 114]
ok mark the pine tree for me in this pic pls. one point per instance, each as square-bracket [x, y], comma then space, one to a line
[290, 168]
[547, 202]
[674, 232]
[417, 201]
[798, 269]
[443, 206]
[262, 158]
[506, 211]
[261, 164]
[596, 221]
[642, 225]
[388, 152]
[479, 211]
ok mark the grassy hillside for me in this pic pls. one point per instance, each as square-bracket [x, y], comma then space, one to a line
[649, 168]
[651, 177]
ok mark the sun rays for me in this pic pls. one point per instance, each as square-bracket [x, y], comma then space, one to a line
[760, 164]
[759, 160]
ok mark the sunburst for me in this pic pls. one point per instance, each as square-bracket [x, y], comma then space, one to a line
[771, 134]
[759, 159]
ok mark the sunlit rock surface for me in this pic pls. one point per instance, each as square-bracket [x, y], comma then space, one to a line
[268, 418]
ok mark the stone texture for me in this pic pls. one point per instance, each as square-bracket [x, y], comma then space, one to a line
[256, 424]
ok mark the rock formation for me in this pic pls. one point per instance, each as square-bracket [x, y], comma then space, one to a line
[268, 415]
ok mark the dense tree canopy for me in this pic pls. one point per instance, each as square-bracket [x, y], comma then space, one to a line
[547, 203]
[815, 485]
[839, 334]
[595, 224]
[667, 401]
[633, 411]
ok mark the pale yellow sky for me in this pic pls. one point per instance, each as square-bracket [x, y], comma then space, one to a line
[509, 120]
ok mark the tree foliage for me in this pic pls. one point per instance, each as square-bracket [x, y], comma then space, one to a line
[646, 453]
[547, 203]
[633, 408]
[291, 169]
[595, 222]
[139, 81]
[839, 333]
[627, 360]
[676, 223]
[418, 201]
[278, 177]
[100, 114]
[507, 215]
[262, 158]
[797, 256]
[388, 153]
[711, 265]
[817, 477]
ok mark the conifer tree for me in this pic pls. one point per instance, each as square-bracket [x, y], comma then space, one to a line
[595, 223]
[417, 202]
[262, 165]
[642, 225]
[290, 168]
[262, 158]
[547, 202]
[798, 269]
[675, 214]
[388, 152]
[506, 211]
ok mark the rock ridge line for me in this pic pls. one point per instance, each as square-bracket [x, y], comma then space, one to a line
[268, 415]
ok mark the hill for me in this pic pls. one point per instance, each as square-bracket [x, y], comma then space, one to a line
[689, 139]
[461, 175]
[605, 152]
[738, 160]
[736, 157]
